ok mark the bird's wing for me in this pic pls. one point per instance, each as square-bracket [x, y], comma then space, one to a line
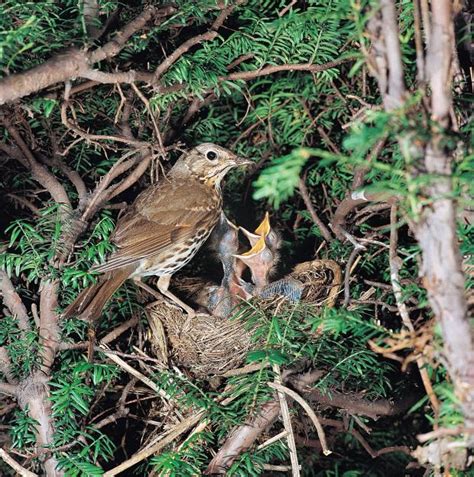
[160, 217]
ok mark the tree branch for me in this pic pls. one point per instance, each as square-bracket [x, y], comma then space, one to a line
[15, 465]
[13, 302]
[352, 402]
[9, 389]
[186, 46]
[436, 228]
[309, 205]
[74, 63]
[395, 264]
[353, 199]
[268, 70]
[39, 172]
[49, 332]
[242, 438]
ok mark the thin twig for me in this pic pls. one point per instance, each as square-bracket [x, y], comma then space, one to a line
[15, 465]
[181, 50]
[309, 411]
[347, 273]
[249, 368]
[309, 205]
[272, 440]
[441, 432]
[96, 137]
[285, 414]
[163, 441]
[152, 117]
[135, 373]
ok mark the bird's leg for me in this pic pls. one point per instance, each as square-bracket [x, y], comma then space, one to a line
[138, 282]
[163, 284]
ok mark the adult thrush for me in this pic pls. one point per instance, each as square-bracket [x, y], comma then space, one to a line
[164, 228]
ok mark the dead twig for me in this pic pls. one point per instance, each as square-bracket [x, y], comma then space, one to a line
[309, 205]
[15, 465]
[113, 357]
[285, 414]
[308, 410]
[163, 441]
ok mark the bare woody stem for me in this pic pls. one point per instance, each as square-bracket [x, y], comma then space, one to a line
[435, 225]
[74, 63]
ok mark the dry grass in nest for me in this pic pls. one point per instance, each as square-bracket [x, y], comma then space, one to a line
[205, 345]
[321, 280]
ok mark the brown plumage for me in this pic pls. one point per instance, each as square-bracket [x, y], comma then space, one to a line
[164, 228]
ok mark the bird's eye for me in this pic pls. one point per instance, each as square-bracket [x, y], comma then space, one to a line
[211, 155]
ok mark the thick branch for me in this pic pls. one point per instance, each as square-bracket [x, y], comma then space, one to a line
[71, 174]
[395, 265]
[49, 333]
[114, 46]
[61, 67]
[353, 403]
[33, 394]
[436, 229]
[13, 302]
[242, 438]
[73, 63]
[396, 86]
[9, 389]
[6, 366]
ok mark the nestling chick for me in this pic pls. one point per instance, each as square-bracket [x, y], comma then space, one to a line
[225, 241]
[262, 258]
[263, 255]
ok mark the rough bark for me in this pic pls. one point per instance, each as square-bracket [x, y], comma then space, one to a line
[436, 230]
[33, 394]
[435, 226]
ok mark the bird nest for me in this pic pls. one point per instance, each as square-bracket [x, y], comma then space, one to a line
[205, 345]
[321, 281]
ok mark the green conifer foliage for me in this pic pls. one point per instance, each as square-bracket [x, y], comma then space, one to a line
[290, 85]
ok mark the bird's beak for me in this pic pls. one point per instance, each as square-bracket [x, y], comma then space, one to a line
[241, 161]
[252, 238]
[264, 227]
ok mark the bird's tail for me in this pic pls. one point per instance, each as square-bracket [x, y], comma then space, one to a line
[89, 303]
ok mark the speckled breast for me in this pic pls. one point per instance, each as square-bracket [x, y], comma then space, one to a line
[181, 253]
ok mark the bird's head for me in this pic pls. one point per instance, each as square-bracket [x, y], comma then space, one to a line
[208, 162]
